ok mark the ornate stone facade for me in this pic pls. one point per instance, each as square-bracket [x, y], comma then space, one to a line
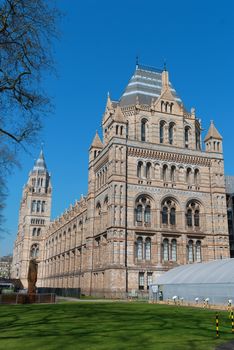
[155, 198]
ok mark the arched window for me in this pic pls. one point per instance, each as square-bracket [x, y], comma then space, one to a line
[190, 251]
[165, 215]
[186, 136]
[148, 171]
[165, 249]
[139, 169]
[147, 248]
[33, 207]
[143, 211]
[117, 129]
[161, 131]
[173, 250]
[193, 215]
[147, 214]
[34, 231]
[139, 213]
[34, 251]
[121, 130]
[189, 176]
[105, 205]
[143, 129]
[173, 173]
[164, 172]
[198, 142]
[196, 218]
[38, 231]
[189, 218]
[139, 248]
[171, 133]
[43, 206]
[172, 216]
[38, 206]
[196, 177]
[198, 251]
[98, 209]
[168, 212]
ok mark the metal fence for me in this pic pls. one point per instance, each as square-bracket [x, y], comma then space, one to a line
[20, 298]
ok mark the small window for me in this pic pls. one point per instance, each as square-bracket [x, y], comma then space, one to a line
[141, 280]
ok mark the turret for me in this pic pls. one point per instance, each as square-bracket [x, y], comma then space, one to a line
[95, 147]
[213, 140]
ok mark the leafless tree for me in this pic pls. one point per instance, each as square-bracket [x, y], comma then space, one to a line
[27, 31]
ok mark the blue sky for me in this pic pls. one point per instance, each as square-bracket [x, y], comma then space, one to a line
[96, 54]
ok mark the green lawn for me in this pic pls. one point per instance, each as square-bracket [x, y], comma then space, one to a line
[108, 326]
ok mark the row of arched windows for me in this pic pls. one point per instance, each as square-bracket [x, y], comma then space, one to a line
[169, 250]
[169, 137]
[168, 212]
[169, 173]
[36, 231]
[38, 206]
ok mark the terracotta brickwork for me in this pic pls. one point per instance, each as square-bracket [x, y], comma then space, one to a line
[155, 198]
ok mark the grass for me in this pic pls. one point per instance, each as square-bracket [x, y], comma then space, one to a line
[110, 326]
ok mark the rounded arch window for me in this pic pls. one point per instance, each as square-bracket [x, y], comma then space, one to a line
[148, 248]
[186, 136]
[193, 214]
[148, 170]
[98, 209]
[161, 130]
[34, 251]
[165, 249]
[143, 210]
[139, 169]
[171, 133]
[144, 129]
[168, 210]
[139, 248]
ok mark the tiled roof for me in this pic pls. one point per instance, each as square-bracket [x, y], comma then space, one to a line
[145, 84]
[213, 132]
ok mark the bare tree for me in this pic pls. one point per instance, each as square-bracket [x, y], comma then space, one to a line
[27, 30]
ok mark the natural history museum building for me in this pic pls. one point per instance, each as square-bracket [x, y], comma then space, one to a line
[155, 199]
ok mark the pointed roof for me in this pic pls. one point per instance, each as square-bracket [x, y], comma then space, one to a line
[118, 115]
[97, 143]
[213, 133]
[40, 164]
[145, 84]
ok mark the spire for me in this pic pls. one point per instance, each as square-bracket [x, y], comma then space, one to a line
[40, 164]
[213, 133]
[97, 143]
[109, 103]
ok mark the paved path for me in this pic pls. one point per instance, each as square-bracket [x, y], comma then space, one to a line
[226, 346]
[90, 300]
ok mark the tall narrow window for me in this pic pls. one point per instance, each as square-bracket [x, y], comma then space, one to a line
[190, 251]
[189, 176]
[198, 143]
[171, 134]
[165, 249]
[38, 206]
[173, 173]
[186, 136]
[143, 130]
[172, 216]
[34, 231]
[148, 170]
[196, 218]
[139, 248]
[147, 248]
[141, 280]
[139, 169]
[147, 214]
[149, 279]
[189, 218]
[165, 216]
[139, 213]
[196, 177]
[161, 131]
[198, 251]
[164, 172]
[173, 250]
